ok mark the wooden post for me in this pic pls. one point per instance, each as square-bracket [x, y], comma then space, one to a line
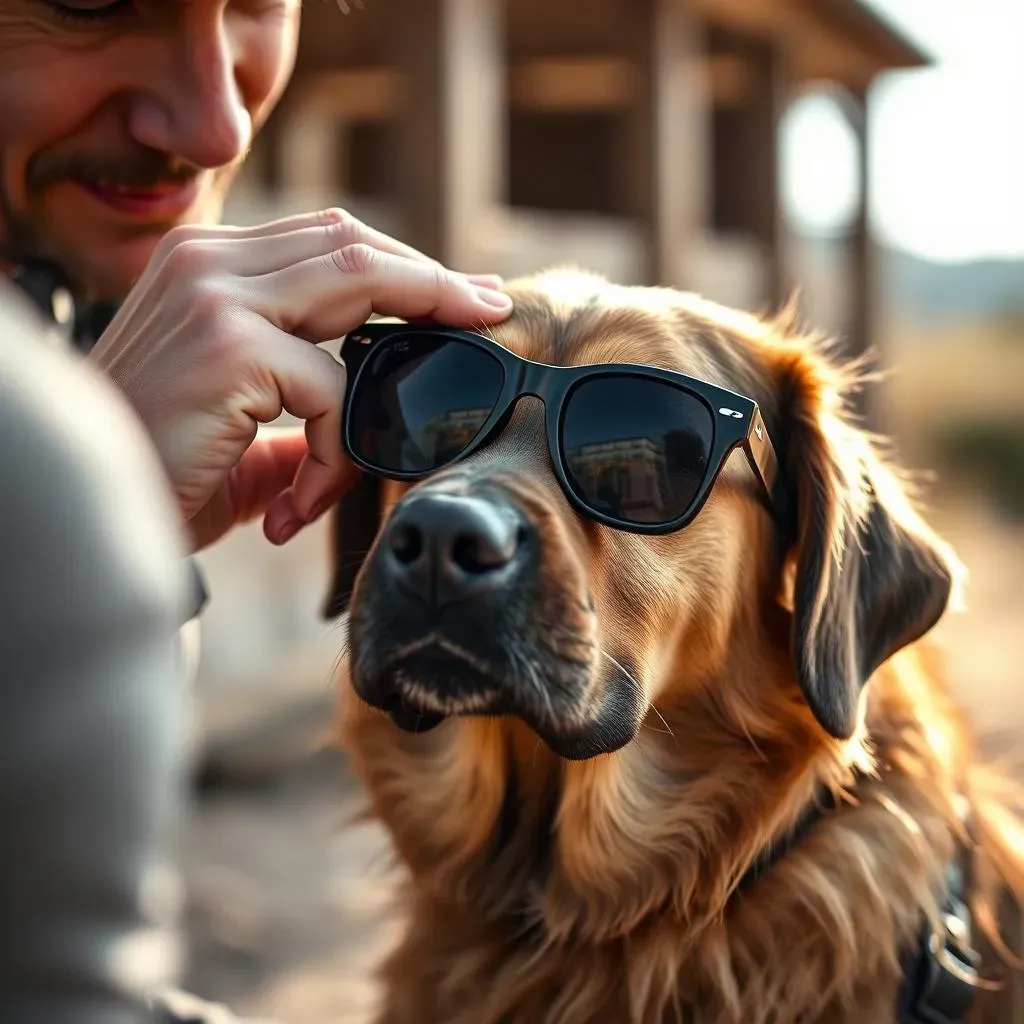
[863, 291]
[665, 152]
[306, 152]
[450, 127]
[768, 97]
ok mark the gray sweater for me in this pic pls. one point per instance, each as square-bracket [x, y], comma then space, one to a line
[93, 590]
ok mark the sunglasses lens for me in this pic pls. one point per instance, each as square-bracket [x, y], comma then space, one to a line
[421, 400]
[636, 449]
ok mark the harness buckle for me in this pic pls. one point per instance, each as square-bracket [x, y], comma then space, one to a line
[943, 983]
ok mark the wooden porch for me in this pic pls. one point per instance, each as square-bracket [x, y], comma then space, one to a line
[638, 137]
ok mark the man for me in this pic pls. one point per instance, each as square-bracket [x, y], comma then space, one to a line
[122, 124]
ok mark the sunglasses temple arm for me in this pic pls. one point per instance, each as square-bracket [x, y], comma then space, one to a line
[761, 455]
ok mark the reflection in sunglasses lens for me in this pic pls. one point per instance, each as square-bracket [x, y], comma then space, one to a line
[421, 401]
[636, 449]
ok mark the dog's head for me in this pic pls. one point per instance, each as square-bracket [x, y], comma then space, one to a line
[579, 630]
[501, 643]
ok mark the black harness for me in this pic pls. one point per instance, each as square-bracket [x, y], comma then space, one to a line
[940, 975]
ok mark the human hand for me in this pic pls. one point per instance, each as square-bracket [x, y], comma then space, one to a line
[219, 336]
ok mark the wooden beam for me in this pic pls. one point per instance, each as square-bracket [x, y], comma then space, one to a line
[353, 94]
[574, 84]
[601, 84]
[666, 151]
[449, 129]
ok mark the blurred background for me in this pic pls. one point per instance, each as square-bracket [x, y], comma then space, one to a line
[868, 152]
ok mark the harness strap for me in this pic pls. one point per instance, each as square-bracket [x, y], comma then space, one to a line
[941, 975]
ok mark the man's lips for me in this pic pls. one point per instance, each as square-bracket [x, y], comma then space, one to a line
[151, 202]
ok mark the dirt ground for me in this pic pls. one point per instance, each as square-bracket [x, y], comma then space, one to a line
[287, 908]
[287, 903]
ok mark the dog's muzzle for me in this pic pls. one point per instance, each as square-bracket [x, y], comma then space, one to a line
[443, 611]
[466, 607]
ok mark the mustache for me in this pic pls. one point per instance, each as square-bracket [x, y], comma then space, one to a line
[139, 168]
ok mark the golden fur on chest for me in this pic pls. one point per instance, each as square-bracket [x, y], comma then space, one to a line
[602, 896]
[546, 891]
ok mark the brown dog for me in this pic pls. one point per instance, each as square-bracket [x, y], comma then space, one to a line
[709, 776]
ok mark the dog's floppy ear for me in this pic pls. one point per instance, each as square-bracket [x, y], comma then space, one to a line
[354, 525]
[870, 577]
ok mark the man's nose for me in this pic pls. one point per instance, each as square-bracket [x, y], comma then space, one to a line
[197, 111]
[444, 548]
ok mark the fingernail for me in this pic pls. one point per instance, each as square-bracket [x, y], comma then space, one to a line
[493, 298]
[287, 530]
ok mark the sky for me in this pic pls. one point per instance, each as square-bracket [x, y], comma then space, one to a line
[947, 160]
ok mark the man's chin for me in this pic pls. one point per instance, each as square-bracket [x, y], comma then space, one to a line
[105, 258]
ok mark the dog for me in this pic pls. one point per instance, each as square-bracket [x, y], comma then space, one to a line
[639, 775]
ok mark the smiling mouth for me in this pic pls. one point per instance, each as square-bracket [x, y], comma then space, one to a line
[159, 201]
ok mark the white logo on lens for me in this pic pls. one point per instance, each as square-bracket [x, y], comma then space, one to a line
[731, 412]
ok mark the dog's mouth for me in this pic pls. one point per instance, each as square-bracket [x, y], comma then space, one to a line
[424, 682]
[438, 677]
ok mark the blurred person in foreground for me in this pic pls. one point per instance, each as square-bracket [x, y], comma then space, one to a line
[92, 590]
[122, 125]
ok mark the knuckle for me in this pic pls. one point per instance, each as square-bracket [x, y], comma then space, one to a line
[444, 280]
[344, 230]
[336, 215]
[355, 260]
[180, 234]
[190, 257]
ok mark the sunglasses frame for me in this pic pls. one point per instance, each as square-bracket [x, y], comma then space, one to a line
[736, 419]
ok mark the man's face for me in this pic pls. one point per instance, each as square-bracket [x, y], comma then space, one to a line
[122, 118]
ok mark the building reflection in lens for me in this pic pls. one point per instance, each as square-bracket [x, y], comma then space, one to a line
[640, 479]
[444, 436]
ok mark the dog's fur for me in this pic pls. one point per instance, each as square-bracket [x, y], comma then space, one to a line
[549, 891]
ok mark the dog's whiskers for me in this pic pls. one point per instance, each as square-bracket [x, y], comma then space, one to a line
[636, 682]
[667, 730]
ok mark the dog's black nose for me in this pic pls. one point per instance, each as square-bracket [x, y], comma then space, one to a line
[446, 548]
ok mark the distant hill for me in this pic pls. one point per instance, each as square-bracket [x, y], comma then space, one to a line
[932, 292]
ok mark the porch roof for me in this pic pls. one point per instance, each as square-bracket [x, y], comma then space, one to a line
[844, 41]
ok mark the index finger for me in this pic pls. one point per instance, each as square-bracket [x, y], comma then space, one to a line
[326, 297]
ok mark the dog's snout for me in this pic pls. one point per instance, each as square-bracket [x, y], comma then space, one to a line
[445, 548]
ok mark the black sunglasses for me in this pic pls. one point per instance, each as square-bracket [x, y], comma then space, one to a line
[634, 447]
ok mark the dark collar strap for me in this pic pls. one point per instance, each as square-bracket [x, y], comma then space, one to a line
[940, 975]
[46, 284]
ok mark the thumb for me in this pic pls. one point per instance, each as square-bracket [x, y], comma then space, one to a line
[282, 520]
[265, 470]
